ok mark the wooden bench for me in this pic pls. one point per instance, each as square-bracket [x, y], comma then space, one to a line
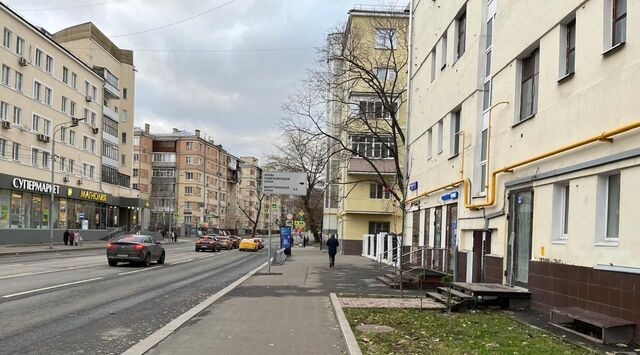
[592, 325]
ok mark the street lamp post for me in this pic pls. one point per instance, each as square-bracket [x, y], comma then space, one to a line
[74, 123]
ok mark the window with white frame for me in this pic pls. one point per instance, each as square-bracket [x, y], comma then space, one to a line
[74, 80]
[89, 144]
[72, 109]
[615, 23]
[136, 140]
[164, 157]
[63, 134]
[189, 145]
[41, 125]
[455, 132]
[487, 87]
[63, 104]
[135, 172]
[65, 75]
[3, 148]
[38, 57]
[188, 175]
[433, 63]
[17, 115]
[48, 65]
[4, 111]
[136, 157]
[386, 75]
[440, 135]
[372, 147]
[19, 46]
[385, 38]
[15, 151]
[35, 154]
[6, 71]
[483, 157]
[568, 49]
[6, 38]
[188, 190]
[63, 164]
[48, 96]
[124, 115]
[375, 109]
[188, 159]
[613, 207]
[18, 81]
[72, 137]
[560, 210]
[529, 85]
[163, 172]
[187, 205]
[378, 191]
[45, 159]
[461, 34]
[37, 91]
[70, 166]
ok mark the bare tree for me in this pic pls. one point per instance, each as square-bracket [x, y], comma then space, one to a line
[257, 208]
[300, 151]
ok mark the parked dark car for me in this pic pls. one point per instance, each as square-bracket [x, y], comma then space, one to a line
[135, 248]
[208, 242]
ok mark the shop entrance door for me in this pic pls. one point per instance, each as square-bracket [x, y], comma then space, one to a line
[478, 253]
[520, 235]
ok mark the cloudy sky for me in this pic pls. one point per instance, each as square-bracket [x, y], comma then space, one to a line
[225, 72]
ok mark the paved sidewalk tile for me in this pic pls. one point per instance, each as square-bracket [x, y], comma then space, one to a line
[288, 312]
[424, 303]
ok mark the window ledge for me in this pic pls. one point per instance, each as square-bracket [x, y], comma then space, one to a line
[559, 241]
[607, 243]
[523, 120]
[565, 77]
[453, 156]
[613, 49]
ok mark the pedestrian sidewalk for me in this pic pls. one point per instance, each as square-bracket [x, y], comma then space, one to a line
[288, 312]
[13, 249]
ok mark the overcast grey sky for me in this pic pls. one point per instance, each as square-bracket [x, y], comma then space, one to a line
[233, 96]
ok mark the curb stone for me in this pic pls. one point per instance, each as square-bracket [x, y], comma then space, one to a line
[345, 328]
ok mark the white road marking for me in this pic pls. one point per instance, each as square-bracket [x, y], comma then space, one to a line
[181, 262]
[152, 340]
[46, 271]
[51, 287]
[134, 271]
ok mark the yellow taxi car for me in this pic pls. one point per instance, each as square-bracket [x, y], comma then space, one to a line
[248, 244]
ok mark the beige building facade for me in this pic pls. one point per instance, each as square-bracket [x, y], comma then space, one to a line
[524, 137]
[44, 88]
[356, 202]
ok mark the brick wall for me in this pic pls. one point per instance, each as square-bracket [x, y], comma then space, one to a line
[616, 294]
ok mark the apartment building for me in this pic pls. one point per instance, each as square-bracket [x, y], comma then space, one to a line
[356, 200]
[50, 96]
[142, 169]
[232, 212]
[250, 194]
[525, 142]
[189, 181]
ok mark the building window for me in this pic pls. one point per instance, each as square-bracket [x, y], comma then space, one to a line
[374, 109]
[560, 218]
[136, 157]
[135, 172]
[429, 143]
[379, 227]
[71, 165]
[123, 159]
[455, 132]
[188, 160]
[3, 148]
[443, 51]
[17, 115]
[38, 57]
[6, 71]
[568, 47]
[37, 89]
[34, 156]
[72, 109]
[41, 125]
[124, 93]
[19, 46]
[188, 176]
[18, 83]
[65, 75]
[74, 80]
[619, 22]
[188, 190]
[613, 207]
[440, 135]
[433, 64]
[4, 110]
[377, 191]
[89, 144]
[189, 145]
[386, 75]
[45, 159]
[529, 86]
[49, 65]
[63, 104]
[48, 96]
[385, 38]
[6, 39]
[124, 115]
[483, 159]
[461, 32]
[124, 138]
[15, 152]
[72, 137]
[372, 147]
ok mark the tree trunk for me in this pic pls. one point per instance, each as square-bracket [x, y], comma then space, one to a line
[313, 226]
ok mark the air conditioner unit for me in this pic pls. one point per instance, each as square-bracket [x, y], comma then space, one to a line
[95, 130]
[6, 124]
[65, 179]
[79, 181]
[43, 138]
[88, 98]
[22, 61]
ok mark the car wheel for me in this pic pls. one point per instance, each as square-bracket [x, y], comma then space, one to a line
[161, 260]
[197, 250]
[113, 262]
[147, 260]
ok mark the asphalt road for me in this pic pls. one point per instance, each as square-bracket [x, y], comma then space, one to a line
[74, 303]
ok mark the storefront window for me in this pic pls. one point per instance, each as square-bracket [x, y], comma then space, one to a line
[36, 212]
[62, 213]
[5, 198]
[17, 210]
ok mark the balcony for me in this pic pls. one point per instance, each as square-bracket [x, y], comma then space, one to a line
[368, 206]
[107, 111]
[111, 85]
[363, 167]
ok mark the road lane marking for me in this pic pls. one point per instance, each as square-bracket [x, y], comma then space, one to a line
[140, 270]
[10, 276]
[181, 262]
[152, 340]
[52, 287]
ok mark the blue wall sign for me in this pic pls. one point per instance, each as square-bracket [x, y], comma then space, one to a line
[413, 186]
[450, 196]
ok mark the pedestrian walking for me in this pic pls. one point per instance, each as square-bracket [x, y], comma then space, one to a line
[164, 234]
[332, 246]
[72, 236]
[65, 236]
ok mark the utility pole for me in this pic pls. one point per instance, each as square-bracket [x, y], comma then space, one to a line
[269, 249]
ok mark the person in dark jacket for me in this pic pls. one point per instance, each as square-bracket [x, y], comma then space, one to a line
[65, 236]
[332, 246]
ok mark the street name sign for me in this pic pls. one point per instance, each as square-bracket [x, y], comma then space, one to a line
[284, 183]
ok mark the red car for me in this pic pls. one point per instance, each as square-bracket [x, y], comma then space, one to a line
[207, 242]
